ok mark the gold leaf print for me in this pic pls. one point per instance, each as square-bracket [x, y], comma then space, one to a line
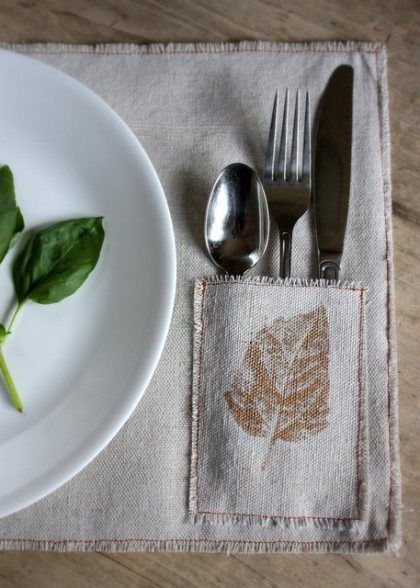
[281, 391]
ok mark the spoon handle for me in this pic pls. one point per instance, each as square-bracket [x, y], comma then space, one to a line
[285, 253]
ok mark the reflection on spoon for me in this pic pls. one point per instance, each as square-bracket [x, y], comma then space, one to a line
[237, 220]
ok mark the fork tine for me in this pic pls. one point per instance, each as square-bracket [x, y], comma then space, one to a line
[294, 154]
[271, 145]
[306, 157]
[283, 139]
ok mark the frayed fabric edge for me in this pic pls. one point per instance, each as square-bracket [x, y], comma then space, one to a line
[199, 291]
[276, 522]
[198, 545]
[364, 489]
[300, 282]
[395, 510]
[195, 48]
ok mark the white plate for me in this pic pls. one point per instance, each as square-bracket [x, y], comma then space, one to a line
[80, 365]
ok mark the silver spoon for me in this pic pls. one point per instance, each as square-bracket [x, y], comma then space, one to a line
[237, 220]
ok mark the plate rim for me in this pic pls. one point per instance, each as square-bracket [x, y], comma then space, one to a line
[73, 464]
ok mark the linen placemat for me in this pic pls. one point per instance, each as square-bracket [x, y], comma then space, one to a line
[196, 108]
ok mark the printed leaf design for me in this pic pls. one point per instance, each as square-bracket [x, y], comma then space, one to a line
[282, 389]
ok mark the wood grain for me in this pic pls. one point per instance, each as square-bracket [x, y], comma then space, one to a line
[398, 23]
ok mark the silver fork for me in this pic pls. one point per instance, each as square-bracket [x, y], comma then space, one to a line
[288, 184]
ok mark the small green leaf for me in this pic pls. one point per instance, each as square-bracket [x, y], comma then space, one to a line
[19, 226]
[57, 260]
[7, 188]
[11, 219]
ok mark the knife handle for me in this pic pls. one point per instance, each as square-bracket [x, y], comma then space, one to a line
[329, 269]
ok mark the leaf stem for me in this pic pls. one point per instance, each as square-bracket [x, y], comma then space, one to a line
[13, 393]
[12, 322]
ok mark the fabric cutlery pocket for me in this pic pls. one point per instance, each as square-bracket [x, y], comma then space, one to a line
[279, 423]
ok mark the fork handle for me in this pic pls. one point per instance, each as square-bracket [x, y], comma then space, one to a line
[285, 253]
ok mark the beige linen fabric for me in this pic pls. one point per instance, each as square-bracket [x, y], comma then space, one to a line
[196, 108]
[279, 404]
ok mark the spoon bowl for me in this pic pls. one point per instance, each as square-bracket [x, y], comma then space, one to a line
[237, 220]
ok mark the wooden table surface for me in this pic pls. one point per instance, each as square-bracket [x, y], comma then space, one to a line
[397, 22]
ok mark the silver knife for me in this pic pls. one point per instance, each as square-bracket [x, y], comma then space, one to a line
[332, 170]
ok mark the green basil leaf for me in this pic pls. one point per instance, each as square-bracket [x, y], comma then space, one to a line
[19, 226]
[57, 260]
[11, 219]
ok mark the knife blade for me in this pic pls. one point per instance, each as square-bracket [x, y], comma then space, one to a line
[332, 170]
